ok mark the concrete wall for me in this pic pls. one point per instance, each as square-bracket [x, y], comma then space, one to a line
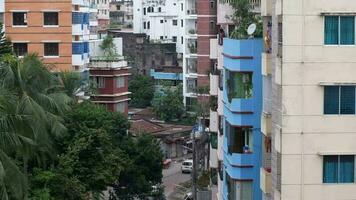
[305, 130]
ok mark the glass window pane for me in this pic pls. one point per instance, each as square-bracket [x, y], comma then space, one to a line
[347, 105]
[240, 85]
[214, 140]
[346, 172]
[331, 30]
[347, 30]
[246, 190]
[331, 100]
[330, 169]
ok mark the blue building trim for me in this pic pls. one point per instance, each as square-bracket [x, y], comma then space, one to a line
[166, 76]
[243, 56]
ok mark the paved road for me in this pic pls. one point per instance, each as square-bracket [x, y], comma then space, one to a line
[172, 177]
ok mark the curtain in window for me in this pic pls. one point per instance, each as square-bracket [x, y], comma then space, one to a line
[331, 30]
[246, 190]
[330, 170]
[331, 100]
[347, 105]
[347, 30]
[346, 172]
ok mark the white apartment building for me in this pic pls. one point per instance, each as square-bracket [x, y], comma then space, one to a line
[103, 8]
[162, 21]
[310, 66]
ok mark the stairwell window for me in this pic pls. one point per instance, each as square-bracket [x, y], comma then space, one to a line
[339, 30]
[239, 85]
[339, 100]
[339, 169]
[50, 18]
[19, 18]
[239, 139]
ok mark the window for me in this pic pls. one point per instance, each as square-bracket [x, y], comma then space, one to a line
[120, 82]
[20, 49]
[339, 100]
[339, 30]
[174, 22]
[144, 11]
[181, 23]
[212, 4]
[181, 40]
[238, 189]
[51, 49]
[19, 19]
[50, 19]
[239, 85]
[161, 21]
[144, 25]
[212, 25]
[120, 107]
[214, 140]
[159, 9]
[99, 81]
[161, 37]
[338, 169]
[181, 7]
[148, 25]
[239, 139]
[174, 39]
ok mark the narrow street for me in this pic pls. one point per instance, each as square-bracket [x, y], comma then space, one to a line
[172, 177]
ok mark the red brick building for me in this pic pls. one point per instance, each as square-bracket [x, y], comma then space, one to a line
[111, 79]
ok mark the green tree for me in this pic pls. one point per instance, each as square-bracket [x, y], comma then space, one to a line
[143, 170]
[5, 43]
[109, 47]
[31, 106]
[142, 91]
[243, 17]
[168, 103]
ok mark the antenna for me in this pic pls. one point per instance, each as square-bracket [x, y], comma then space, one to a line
[251, 29]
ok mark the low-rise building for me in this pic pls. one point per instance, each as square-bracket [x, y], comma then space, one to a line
[110, 75]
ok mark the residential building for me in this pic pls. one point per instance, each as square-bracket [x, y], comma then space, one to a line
[161, 21]
[2, 10]
[200, 27]
[167, 75]
[309, 63]
[93, 21]
[121, 14]
[110, 76]
[103, 7]
[57, 31]
[157, 56]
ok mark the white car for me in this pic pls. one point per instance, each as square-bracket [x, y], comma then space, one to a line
[187, 166]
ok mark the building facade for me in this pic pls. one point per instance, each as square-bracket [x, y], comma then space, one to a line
[242, 97]
[2, 10]
[309, 63]
[103, 7]
[121, 14]
[110, 76]
[57, 31]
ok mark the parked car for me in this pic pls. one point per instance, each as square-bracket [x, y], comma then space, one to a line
[187, 166]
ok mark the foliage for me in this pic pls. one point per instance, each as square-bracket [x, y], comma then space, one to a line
[143, 170]
[109, 47]
[5, 43]
[142, 91]
[31, 106]
[168, 103]
[243, 17]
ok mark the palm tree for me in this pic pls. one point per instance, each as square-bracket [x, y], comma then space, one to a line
[32, 102]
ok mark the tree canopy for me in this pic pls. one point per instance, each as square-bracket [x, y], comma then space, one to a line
[142, 91]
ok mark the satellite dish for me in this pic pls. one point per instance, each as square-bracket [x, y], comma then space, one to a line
[251, 29]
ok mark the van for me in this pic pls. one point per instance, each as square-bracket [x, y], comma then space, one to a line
[187, 166]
